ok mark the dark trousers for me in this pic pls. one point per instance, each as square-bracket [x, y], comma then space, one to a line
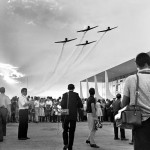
[68, 126]
[122, 132]
[141, 136]
[23, 123]
[3, 118]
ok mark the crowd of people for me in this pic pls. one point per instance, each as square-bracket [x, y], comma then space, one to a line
[25, 109]
[48, 110]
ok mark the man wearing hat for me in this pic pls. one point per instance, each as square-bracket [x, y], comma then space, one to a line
[70, 101]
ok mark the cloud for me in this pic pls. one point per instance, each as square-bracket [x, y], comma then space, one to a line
[41, 12]
[9, 73]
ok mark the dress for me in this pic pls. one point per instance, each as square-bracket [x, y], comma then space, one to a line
[98, 109]
[41, 109]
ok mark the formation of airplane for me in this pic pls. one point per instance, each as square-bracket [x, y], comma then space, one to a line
[108, 29]
[86, 42]
[66, 40]
[87, 29]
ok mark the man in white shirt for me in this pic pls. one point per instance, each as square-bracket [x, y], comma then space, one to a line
[141, 135]
[5, 104]
[23, 115]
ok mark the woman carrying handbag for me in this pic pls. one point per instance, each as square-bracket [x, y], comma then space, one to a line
[91, 117]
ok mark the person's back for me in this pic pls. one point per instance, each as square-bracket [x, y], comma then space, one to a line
[71, 101]
[74, 102]
[4, 100]
[5, 109]
[144, 91]
[141, 135]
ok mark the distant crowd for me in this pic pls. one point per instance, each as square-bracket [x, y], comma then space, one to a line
[49, 110]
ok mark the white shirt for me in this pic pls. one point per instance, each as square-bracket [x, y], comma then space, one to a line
[144, 91]
[49, 103]
[36, 103]
[22, 100]
[4, 100]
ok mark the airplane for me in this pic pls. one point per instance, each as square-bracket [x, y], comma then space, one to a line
[108, 29]
[86, 42]
[87, 29]
[66, 40]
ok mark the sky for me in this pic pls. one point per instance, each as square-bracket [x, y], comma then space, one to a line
[30, 58]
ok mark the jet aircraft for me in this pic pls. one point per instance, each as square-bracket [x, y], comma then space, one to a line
[86, 42]
[87, 29]
[66, 40]
[108, 29]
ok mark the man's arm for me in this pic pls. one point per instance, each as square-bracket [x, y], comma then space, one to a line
[62, 102]
[80, 104]
[125, 101]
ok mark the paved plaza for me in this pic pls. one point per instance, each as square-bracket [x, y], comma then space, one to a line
[48, 136]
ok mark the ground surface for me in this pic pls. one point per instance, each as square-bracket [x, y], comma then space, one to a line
[47, 136]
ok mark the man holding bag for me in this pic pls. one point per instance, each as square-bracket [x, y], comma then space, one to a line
[141, 135]
[71, 102]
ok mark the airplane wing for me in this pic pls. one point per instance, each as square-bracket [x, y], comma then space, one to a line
[113, 28]
[81, 44]
[61, 42]
[93, 27]
[82, 30]
[90, 42]
[71, 40]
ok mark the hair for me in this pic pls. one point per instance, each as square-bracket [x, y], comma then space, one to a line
[23, 89]
[142, 59]
[71, 87]
[2, 90]
[118, 96]
[92, 91]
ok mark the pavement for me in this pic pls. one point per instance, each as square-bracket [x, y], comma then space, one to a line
[48, 136]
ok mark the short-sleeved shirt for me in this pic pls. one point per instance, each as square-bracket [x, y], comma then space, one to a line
[22, 100]
[36, 103]
[4, 100]
[90, 100]
[144, 91]
[49, 103]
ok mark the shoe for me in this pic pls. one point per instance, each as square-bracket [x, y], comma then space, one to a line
[94, 145]
[27, 138]
[131, 143]
[65, 147]
[124, 139]
[116, 138]
[22, 138]
[87, 141]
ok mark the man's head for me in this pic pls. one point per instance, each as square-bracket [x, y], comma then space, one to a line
[118, 96]
[2, 90]
[71, 87]
[142, 60]
[92, 91]
[24, 91]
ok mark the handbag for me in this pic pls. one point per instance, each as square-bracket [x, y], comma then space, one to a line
[131, 116]
[65, 111]
[97, 124]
